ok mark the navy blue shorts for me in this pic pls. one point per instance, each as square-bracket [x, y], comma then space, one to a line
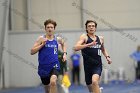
[90, 70]
[46, 80]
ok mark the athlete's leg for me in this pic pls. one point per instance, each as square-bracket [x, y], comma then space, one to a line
[77, 78]
[90, 88]
[53, 85]
[95, 83]
[78, 75]
[88, 78]
[47, 88]
[46, 82]
[73, 75]
[60, 77]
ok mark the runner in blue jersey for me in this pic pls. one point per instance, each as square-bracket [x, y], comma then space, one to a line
[91, 46]
[47, 48]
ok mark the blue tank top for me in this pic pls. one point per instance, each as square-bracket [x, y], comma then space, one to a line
[92, 54]
[48, 57]
[48, 53]
[75, 60]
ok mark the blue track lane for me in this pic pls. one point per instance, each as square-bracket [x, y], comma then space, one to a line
[110, 88]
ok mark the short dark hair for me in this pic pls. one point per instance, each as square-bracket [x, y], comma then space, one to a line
[88, 21]
[50, 21]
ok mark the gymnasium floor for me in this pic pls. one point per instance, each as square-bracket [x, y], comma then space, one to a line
[109, 88]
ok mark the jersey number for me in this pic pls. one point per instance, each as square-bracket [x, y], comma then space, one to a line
[99, 52]
[55, 50]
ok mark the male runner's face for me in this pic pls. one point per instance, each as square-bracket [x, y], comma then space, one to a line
[91, 28]
[49, 29]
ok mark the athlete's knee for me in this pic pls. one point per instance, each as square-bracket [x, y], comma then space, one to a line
[95, 82]
[53, 83]
[53, 80]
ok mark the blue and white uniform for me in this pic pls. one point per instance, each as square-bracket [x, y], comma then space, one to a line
[48, 58]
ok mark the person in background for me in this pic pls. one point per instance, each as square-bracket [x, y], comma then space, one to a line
[75, 59]
[63, 66]
[136, 56]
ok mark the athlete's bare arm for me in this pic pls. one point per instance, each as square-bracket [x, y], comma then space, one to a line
[104, 51]
[63, 46]
[81, 44]
[38, 45]
[64, 50]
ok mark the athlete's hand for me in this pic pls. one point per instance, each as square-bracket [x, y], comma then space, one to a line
[109, 60]
[92, 44]
[43, 41]
[64, 57]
